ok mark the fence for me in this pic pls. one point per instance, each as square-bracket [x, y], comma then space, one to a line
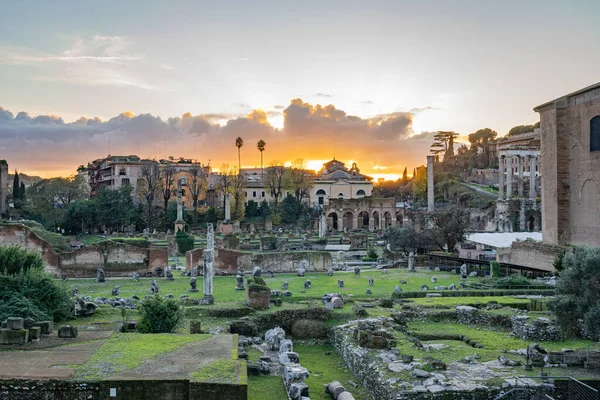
[564, 388]
[448, 263]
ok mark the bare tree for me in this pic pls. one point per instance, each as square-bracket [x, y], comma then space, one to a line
[148, 187]
[275, 180]
[167, 183]
[238, 197]
[299, 180]
[225, 180]
[196, 185]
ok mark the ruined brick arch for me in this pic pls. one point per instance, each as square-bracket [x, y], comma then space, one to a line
[376, 219]
[387, 220]
[399, 219]
[363, 219]
[348, 220]
[333, 221]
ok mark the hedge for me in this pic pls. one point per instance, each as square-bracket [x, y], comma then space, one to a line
[475, 293]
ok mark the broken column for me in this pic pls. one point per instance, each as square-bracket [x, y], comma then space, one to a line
[509, 171]
[532, 162]
[227, 207]
[521, 177]
[501, 177]
[322, 226]
[179, 222]
[208, 268]
[430, 192]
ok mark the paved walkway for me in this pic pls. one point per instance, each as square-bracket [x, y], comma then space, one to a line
[45, 364]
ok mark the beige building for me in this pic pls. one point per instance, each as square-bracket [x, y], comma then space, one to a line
[570, 146]
[333, 181]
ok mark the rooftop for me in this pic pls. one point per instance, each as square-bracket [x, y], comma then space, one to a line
[503, 239]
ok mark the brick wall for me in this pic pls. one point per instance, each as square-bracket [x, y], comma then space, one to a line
[535, 255]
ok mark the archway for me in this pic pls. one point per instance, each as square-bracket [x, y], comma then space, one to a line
[387, 219]
[376, 220]
[348, 217]
[332, 220]
[399, 219]
[360, 192]
[363, 220]
[531, 224]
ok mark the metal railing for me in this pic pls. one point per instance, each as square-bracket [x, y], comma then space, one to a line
[573, 390]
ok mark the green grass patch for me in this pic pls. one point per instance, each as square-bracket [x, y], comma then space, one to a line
[266, 388]
[124, 351]
[222, 371]
[326, 365]
[452, 302]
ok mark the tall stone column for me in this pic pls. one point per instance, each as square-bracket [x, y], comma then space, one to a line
[179, 222]
[227, 207]
[501, 177]
[532, 163]
[430, 192]
[209, 266]
[521, 177]
[509, 171]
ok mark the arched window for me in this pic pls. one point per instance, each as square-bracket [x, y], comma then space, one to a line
[595, 133]
[321, 192]
[340, 195]
[360, 192]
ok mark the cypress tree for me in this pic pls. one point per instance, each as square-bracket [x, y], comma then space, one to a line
[16, 186]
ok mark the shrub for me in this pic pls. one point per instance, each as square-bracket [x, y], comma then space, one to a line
[184, 241]
[359, 311]
[159, 315]
[309, 329]
[13, 260]
[36, 295]
[257, 284]
[577, 301]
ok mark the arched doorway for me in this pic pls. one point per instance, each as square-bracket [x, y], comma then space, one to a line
[387, 219]
[531, 224]
[348, 217]
[332, 221]
[363, 220]
[376, 220]
[399, 219]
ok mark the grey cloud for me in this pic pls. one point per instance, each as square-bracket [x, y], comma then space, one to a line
[323, 95]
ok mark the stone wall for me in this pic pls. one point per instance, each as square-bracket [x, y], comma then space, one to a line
[534, 329]
[20, 235]
[117, 259]
[194, 258]
[125, 389]
[232, 260]
[571, 172]
[534, 255]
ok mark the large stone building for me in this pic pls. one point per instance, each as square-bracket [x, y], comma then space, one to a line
[570, 144]
[333, 181]
[115, 172]
[3, 188]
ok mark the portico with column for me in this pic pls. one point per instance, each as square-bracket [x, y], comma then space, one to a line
[521, 157]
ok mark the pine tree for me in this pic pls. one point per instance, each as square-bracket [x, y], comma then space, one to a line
[405, 175]
[22, 191]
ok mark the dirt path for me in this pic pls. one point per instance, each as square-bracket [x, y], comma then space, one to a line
[180, 363]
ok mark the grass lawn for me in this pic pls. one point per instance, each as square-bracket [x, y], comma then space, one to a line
[326, 365]
[452, 302]
[354, 286]
[266, 388]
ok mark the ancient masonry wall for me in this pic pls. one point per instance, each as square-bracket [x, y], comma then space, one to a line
[232, 260]
[118, 259]
[361, 363]
[535, 255]
[125, 389]
[23, 237]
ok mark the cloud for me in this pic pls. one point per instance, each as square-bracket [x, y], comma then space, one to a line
[277, 107]
[367, 102]
[323, 95]
[93, 61]
[310, 131]
[423, 109]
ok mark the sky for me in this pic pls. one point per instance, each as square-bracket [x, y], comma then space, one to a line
[359, 81]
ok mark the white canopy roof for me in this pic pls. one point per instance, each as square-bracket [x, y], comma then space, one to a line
[502, 239]
[337, 247]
